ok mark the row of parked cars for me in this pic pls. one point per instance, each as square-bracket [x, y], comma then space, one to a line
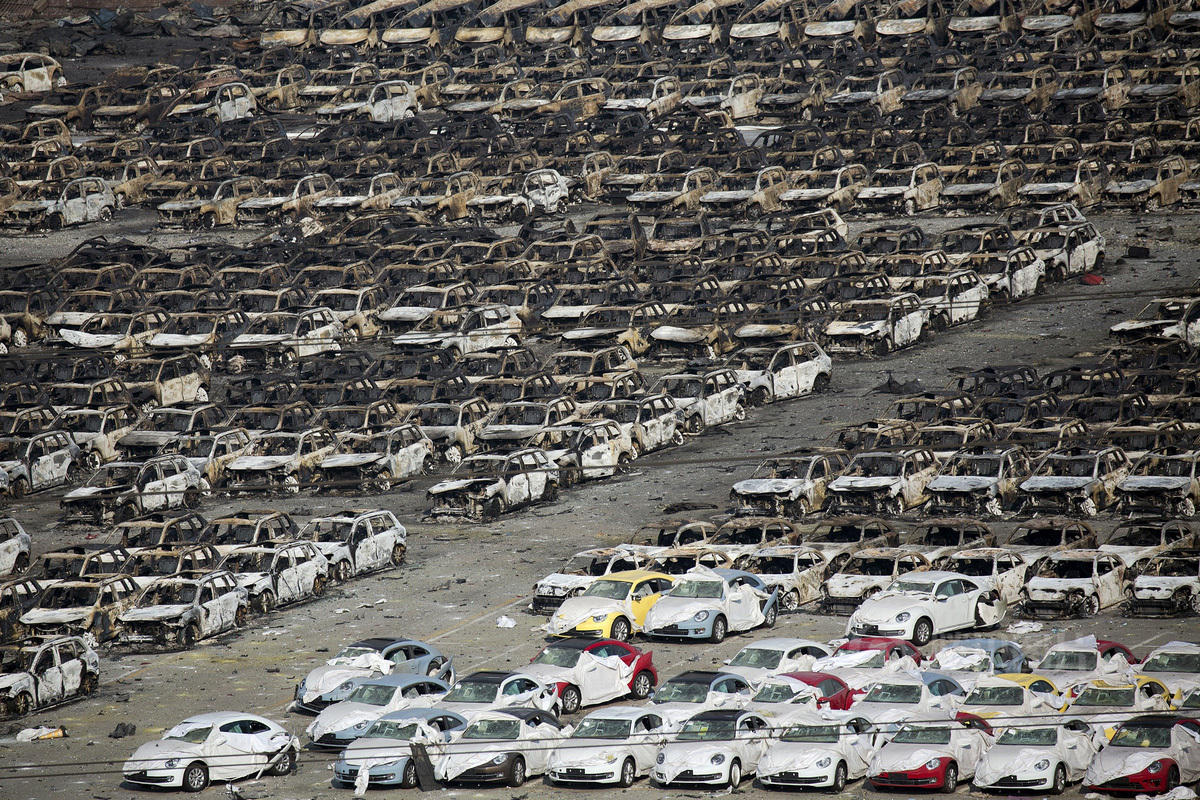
[165, 583]
[792, 713]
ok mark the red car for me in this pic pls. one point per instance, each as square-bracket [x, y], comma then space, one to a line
[893, 648]
[832, 691]
[1109, 649]
[558, 663]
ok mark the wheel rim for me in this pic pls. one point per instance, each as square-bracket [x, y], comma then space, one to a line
[839, 777]
[519, 772]
[735, 774]
[791, 601]
[951, 777]
[620, 630]
[570, 701]
[719, 629]
[1060, 779]
[627, 772]
[410, 774]
[924, 632]
[641, 685]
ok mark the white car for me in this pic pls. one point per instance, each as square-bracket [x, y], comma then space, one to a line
[1005, 702]
[501, 746]
[708, 604]
[769, 657]
[819, 753]
[219, 746]
[1169, 584]
[1076, 662]
[479, 329]
[1074, 583]
[483, 487]
[689, 693]
[793, 370]
[14, 547]
[341, 723]
[922, 605]
[901, 697]
[48, 671]
[933, 755]
[333, 681]
[1150, 754]
[715, 748]
[614, 746]
[1177, 664]
[1036, 759]
[182, 610]
[795, 571]
[892, 481]
[488, 690]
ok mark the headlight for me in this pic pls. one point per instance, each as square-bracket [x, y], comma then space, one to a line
[903, 616]
[661, 758]
[170, 763]
[362, 725]
[610, 758]
[302, 686]
[1043, 764]
[933, 763]
[599, 617]
[824, 762]
[700, 616]
[717, 760]
[500, 759]
[345, 687]
[1155, 767]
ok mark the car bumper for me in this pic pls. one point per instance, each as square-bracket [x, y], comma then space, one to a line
[546, 604]
[580, 775]
[910, 779]
[486, 773]
[1066, 607]
[155, 777]
[382, 775]
[796, 779]
[865, 629]
[686, 630]
[690, 777]
[1014, 782]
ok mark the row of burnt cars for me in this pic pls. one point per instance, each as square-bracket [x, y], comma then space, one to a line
[168, 582]
[486, 129]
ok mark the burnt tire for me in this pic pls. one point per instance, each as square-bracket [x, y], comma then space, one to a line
[398, 552]
[342, 572]
[18, 488]
[320, 584]
[88, 683]
[694, 425]
[1091, 605]
[241, 617]
[195, 777]
[189, 636]
[821, 383]
[264, 602]
[20, 564]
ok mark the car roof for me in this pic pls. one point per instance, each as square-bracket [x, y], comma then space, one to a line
[220, 717]
[379, 642]
[698, 676]
[420, 713]
[784, 642]
[620, 712]
[489, 676]
[721, 715]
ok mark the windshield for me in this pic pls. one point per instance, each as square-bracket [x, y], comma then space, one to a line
[975, 466]
[372, 694]
[610, 590]
[995, 696]
[169, 594]
[858, 565]
[757, 657]
[1096, 696]
[876, 466]
[1057, 466]
[602, 729]
[775, 692]
[1142, 736]
[558, 656]
[247, 562]
[1066, 568]
[469, 691]
[979, 663]
[109, 476]
[706, 730]
[1069, 660]
[698, 589]
[1032, 737]
[1172, 662]
[917, 587]
[70, 597]
[823, 734]
[192, 735]
[894, 693]
[681, 692]
[975, 567]
[923, 736]
[493, 729]
[388, 729]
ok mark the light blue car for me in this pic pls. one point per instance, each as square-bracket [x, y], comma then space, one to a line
[391, 735]
[711, 603]
[967, 660]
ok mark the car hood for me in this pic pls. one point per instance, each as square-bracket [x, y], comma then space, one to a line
[844, 328]
[576, 610]
[792, 487]
[671, 333]
[445, 487]
[340, 716]
[405, 314]
[88, 492]
[154, 755]
[902, 757]
[154, 613]
[258, 463]
[90, 340]
[259, 339]
[561, 580]
[1153, 483]
[178, 340]
[840, 585]
[961, 483]
[54, 616]
[1055, 483]
[1038, 189]
[966, 189]
[679, 756]
[508, 431]
[1130, 187]
[863, 484]
[344, 460]
[673, 610]
[328, 677]
[146, 438]
[883, 607]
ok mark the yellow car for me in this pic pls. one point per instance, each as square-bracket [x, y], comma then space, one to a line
[613, 607]
[1004, 699]
[1104, 705]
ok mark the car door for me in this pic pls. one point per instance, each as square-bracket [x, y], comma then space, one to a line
[516, 480]
[731, 692]
[785, 374]
[70, 662]
[1186, 736]
[595, 454]
[364, 547]
[1110, 581]
[48, 676]
[644, 595]
[240, 751]
[287, 576]
[152, 488]
[210, 610]
[951, 606]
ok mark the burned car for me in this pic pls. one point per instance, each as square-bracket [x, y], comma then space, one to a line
[1078, 480]
[877, 326]
[180, 611]
[76, 607]
[46, 673]
[1168, 584]
[979, 480]
[357, 542]
[374, 462]
[894, 482]
[282, 460]
[484, 487]
[790, 486]
[122, 490]
[278, 573]
[1162, 481]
